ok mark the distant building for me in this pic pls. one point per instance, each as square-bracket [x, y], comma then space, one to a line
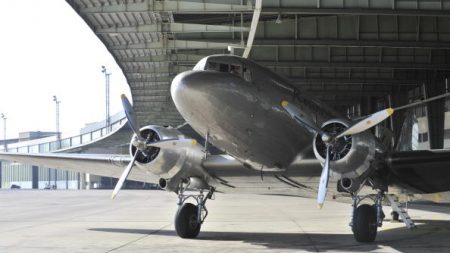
[35, 177]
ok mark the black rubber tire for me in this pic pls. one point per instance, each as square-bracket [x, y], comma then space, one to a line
[395, 216]
[365, 223]
[186, 221]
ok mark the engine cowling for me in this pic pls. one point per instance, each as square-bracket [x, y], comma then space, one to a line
[351, 156]
[168, 164]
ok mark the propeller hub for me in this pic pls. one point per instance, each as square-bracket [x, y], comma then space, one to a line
[326, 138]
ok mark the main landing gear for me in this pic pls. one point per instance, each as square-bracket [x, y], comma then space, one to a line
[189, 217]
[367, 218]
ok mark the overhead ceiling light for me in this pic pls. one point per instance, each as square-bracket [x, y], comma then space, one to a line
[278, 21]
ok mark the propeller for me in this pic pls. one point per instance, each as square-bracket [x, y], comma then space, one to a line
[139, 143]
[370, 121]
[323, 183]
[330, 140]
[131, 116]
[142, 144]
[124, 176]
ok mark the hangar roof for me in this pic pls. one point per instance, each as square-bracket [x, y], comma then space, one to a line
[341, 50]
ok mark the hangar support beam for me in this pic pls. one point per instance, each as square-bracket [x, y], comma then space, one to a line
[358, 11]
[436, 113]
[351, 43]
[356, 65]
[163, 6]
[354, 81]
[171, 28]
[173, 44]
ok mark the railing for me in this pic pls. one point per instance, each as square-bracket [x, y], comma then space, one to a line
[69, 142]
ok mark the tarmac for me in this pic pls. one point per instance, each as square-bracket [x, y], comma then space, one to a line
[142, 221]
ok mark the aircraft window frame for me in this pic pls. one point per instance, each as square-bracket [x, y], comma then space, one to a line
[247, 74]
[223, 67]
[236, 69]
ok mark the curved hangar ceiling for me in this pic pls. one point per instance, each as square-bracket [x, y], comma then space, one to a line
[342, 50]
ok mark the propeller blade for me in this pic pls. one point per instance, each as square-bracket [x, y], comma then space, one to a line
[131, 117]
[300, 118]
[368, 122]
[173, 143]
[124, 176]
[323, 184]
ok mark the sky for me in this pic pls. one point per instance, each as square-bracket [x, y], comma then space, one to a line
[46, 49]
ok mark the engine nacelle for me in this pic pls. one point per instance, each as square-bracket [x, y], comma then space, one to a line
[351, 156]
[169, 164]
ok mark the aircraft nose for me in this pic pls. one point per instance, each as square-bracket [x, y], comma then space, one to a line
[185, 88]
[180, 84]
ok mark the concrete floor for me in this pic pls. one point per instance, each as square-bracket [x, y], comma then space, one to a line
[142, 221]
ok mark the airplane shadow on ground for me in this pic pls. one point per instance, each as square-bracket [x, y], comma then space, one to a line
[431, 235]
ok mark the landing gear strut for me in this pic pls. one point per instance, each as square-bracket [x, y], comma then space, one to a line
[367, 218]
[189, 217]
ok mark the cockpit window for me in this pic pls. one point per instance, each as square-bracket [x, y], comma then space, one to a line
[235, 69]
[201, 64]
[224, 67]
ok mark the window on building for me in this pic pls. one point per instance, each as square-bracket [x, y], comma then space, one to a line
[446, 133]
[423, 137]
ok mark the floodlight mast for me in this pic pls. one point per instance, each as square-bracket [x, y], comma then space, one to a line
[4, 132]
[108, 118]
[58, 133]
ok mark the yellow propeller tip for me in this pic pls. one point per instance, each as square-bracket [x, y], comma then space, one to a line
[390, 111]
[319, 206]
[194, 142]
[123, 96]
[284, 103]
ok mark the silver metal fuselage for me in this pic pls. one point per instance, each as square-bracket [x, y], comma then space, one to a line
[242, 114]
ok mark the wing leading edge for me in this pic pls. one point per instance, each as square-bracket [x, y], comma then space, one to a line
[107, 165]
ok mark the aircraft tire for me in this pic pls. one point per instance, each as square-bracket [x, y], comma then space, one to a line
[365, 223]
[395, 216]
[186, 221]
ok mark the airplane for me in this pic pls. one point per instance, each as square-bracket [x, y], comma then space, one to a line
[274, 139]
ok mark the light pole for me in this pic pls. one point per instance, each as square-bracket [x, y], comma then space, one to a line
[58, 134]
[4, 133]
[108, 120]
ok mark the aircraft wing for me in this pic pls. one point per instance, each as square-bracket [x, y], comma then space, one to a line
[231, 174]
[108, 165]
[425, 171]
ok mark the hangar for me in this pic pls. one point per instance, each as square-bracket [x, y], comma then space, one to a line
[358, 56]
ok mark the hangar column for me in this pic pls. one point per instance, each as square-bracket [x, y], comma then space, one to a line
[398, 99]
[436, 113]
[35, 177]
